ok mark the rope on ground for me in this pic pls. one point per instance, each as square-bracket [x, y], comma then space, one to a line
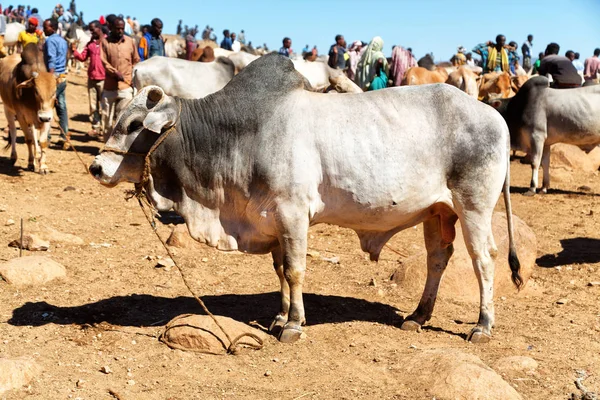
[140, 194]
[68, 140]
[233, 347]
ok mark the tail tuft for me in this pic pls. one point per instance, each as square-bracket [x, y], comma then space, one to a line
[515, 267]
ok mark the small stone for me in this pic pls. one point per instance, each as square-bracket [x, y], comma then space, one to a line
[106, 370]
[31, 242]
[412, 346]
[68, 189]
[303, 335]
[80, 383]
[562, 301]
[333, 260]
[268, 372]
[17, 372]
[2, 208]
[313, 253]
[204, 259]
[9, 222]
[275, 359]
[165, 263]
[380, 293]
[558, 268]
[376, 359]
[131, 382]
[372, 282]
[133, 342]
[595, 283]
[584, 188]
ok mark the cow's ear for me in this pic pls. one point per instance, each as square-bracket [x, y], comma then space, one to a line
[162, 110]
[25, 84]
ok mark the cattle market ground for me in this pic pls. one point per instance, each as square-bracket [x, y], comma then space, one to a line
[114, 301]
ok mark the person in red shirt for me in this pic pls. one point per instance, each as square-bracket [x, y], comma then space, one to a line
[96, 74]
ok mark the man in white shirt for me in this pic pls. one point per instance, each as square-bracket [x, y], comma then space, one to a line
[236, 45]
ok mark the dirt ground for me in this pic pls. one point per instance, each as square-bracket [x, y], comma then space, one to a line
[114, 301]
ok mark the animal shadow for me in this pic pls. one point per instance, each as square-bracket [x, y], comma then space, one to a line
[148, 310]
[575, 251]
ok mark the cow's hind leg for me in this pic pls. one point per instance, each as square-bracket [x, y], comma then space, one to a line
[537, 149]
[477, 228]
[439, 234]
[293, 228]
[29, 140]
[12, 130]
[282, 317]
[546, 169]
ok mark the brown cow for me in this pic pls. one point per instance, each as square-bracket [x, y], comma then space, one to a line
[465, 79]
[422, 76]
[494, 85]
[28, 92]
[204, 54]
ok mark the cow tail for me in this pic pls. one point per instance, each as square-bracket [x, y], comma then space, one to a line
[513, 260]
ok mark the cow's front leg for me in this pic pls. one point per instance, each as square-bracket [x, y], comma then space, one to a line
[282, 317]
[546, 169]
[293, 228]
[28, 133]
[439, 252]
[41, 141]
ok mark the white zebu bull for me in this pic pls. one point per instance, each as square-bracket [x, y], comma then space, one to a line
[182, 78]
[12, 35]
[252, 166]
[82, 38]
[539, 117]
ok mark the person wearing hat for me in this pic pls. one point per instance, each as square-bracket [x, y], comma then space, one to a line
[29, 35]
[459, 58]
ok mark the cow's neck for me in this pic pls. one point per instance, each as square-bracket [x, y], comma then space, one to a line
[209, 152]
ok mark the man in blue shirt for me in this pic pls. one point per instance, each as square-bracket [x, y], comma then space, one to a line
[226, 43]
[55, 58]
[286, 50]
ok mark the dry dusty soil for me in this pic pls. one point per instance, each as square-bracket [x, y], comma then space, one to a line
[114, 301]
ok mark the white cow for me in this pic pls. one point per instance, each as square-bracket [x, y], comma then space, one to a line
[12, 35]
[182, 78]
[82, 38]
[263, 159]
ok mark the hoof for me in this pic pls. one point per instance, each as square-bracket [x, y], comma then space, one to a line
[30, 167]
[43, 171]
[13, 161]
[478, 336]
[544, 191]
[410, 325]
[290, 333]
[529, 193]
[277, 325]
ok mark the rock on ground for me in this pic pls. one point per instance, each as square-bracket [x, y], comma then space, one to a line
[570, 158]
[516, 365]
[31, 270]
[54, 236]
[459, 282]
[451, 374]
[180, 237]
[17, 372]
[200, 333]
[31, 242]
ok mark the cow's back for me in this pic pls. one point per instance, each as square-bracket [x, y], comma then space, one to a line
[183, 78]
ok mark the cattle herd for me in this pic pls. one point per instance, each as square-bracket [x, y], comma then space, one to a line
[256, 154]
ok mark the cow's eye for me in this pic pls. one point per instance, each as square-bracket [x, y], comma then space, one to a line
[134, 126]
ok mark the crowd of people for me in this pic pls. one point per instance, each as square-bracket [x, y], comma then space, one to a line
[112, 54]
[368, 67]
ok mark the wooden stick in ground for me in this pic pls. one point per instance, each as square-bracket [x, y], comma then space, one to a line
[21, 244]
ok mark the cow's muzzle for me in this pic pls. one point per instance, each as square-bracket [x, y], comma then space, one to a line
[45, 116]
[96, 170]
